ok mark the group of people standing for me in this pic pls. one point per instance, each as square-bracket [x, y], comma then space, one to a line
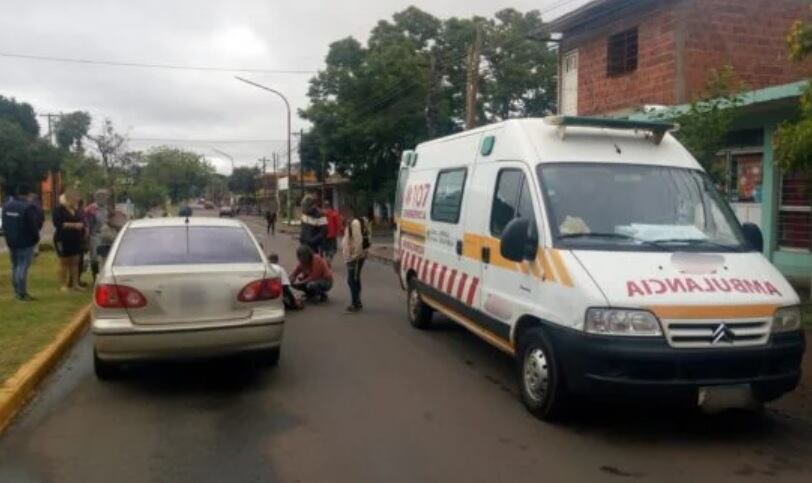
[78, 229]
[321, 227]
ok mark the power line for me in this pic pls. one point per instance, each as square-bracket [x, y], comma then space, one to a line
[214, 141]
[45, 58]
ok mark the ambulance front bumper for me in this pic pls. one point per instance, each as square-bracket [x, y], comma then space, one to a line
[624, 366]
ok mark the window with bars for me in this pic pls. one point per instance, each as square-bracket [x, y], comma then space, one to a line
[795, 212]
[621, 53]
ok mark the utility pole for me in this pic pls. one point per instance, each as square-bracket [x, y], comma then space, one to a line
[51, 116]
[472, 82]
[431, 108]
[264, 161]
[301, 166]
[276, 181]
[323, 178]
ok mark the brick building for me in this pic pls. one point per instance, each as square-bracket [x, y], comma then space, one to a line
[618, 57]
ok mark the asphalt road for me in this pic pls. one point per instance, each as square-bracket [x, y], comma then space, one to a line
[366, 398]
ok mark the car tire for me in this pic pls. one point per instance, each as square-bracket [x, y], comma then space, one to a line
[418, 311]
[270, 357]
[541, 380]
[105, 370]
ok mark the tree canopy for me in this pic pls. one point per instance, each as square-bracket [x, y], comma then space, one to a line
[793, 139]
[244, 180]
[25, 159]
[407, 84]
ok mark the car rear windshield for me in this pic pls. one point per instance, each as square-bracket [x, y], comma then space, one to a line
[179, 245]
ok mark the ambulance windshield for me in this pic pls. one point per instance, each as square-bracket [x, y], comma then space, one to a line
[633, 207]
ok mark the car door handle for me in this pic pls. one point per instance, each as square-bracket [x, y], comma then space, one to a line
[486, 254]
[459, 247]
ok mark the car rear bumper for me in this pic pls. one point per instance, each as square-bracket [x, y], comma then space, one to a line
[626, 366]
[118, 340]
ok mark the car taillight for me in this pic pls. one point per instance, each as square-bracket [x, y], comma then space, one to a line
[112, 296]
[258, 290]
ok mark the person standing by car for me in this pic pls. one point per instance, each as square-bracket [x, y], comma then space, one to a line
[270, 219]
[68, 236]
[311, 275]
[21, 223]
[333, 229]
[314, 225]
[354, 247]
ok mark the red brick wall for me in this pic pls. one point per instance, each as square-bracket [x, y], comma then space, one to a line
[750, 35]
[651, 83]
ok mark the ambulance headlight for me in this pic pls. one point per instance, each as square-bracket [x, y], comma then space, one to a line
[621, 322]
[787, 319]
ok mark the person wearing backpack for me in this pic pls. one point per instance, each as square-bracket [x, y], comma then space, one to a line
[354, 246]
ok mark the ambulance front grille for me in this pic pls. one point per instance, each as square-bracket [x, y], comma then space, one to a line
[718, 334]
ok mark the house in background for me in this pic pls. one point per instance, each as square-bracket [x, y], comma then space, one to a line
[620, 58]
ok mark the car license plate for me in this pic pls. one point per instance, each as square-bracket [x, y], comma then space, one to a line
[717, 398]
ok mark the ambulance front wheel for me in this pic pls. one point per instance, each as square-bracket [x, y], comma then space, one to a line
[540, 378]
[419, 312]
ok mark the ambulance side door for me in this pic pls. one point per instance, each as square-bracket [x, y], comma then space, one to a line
[509, 289]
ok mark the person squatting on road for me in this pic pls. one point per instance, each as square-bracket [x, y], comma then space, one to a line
[70, 230]
[21, 223]
[288, 298]
[354, 247]
[314, 225]
[312, 275]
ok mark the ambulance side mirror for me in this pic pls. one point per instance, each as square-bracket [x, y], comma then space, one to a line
[752, 234]
[517, 244]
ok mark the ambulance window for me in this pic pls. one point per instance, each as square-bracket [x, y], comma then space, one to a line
[445, 206]
[506, 199]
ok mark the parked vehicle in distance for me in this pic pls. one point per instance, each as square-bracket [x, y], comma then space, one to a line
[597, 253]
[175, 288]
[208, 205]
[185, 211]
[226, 211]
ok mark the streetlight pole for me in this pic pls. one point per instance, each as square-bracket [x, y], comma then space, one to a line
[230, 157]
[287, 107]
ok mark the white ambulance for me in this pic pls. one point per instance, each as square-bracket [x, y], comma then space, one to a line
[598, 254]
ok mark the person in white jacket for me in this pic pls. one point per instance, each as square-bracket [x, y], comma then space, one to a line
[354, 246]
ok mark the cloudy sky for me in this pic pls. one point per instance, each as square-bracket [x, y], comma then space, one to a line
[199, 110]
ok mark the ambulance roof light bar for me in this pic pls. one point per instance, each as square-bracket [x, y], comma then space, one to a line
[656, 128]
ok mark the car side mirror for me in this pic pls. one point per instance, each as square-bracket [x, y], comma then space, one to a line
[103, 250]
[518, 243]
[752, 234]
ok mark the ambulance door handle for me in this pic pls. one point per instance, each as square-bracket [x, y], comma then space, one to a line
[486, 254]
[459, 247]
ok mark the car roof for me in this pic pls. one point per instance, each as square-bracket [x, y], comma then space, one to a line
[181, 221]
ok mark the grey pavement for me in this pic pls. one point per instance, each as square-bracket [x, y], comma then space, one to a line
[367, 398]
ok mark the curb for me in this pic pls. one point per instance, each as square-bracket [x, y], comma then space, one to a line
[17, 390]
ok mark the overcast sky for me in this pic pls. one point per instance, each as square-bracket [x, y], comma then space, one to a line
[157, 106]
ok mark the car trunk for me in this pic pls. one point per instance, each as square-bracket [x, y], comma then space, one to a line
[189, 293]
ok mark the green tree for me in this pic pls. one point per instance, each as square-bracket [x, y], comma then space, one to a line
[24, 157]
[83, 173]
[705, 124]
[146, 195]
[71, 130]
[182, 174]
[407, 85]
[793, 139]
[244, 180]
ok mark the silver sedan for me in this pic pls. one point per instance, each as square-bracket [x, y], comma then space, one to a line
[182, 288]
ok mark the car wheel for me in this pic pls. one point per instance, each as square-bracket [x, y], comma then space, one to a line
[419, 313]
[542, 384]
[270, 357]
[105, 370]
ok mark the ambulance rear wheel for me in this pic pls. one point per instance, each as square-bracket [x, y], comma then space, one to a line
[542, 384]
[419, 312]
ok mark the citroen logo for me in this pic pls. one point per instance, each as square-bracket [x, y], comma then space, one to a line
[723, 333]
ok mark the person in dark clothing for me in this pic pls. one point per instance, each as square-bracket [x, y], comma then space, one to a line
[312, 275]
[314, 226]
[21, 223]
[70, 229]
[270, 219]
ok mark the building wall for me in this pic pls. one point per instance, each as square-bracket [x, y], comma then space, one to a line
[679, 42]
[654, 80]
[748, 35]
